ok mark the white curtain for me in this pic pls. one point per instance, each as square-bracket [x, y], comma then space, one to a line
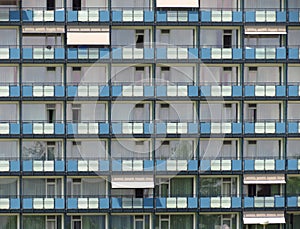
[262, 4]
[41, 75]
[8, 37]
[8, 112]
[8, 75]
[9, 149]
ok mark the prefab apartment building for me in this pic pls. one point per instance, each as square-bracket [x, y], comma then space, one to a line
[149, 114]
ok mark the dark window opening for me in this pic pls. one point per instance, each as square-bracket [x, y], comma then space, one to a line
[51, 69]
[227, 39]
[164, 105]
[139, 193]
[50, 4]
[139, 39]
[140, 69]
[226, 142]
[76, 69]
[165, 31]
[253, 69]
[227, 105]
[252, 142]
[140, 105]
[76, 5]
[227, 69]
[165, 68]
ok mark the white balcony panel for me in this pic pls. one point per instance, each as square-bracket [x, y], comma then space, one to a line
[132, 181]
[48, 166]
[93, 15]
[177, 3]
[83, 91]
[48, 128]
[4, 53]
[93, 91]
[216, 53]
[38, 128]
[182, 128]
[171, 202]
[4, 128]
[270, 53]
[171, 128]
[271, 16]
[270, 164]
[226, 128]
[49, 203]
[127, 202]
[126, 165]
[172, 53]
[182, 91]
[226, 202]
[93, 203]
[270, 90]
[259, 90]
[259, 128]
[4, 91]
[182, 16]
[82, 203]
[49, 91]
[259, 202]
[227, 16]
[138, 15]
[38, 91]
[48, 53]
[226, 91]
[127, 15]
[38, 15]
[48, 15]
[137, 165]
[298, 201]
[215, 165]
[260, 53]
[259, 165]
[93, 128]
[260, 16]
[215, 90]
[138, 128]
[127, 91]
[215, 128]
[38, 166]
[270, 128]
[82, 128]
[138, 91]
[182, 53]
[181, 202]
[226, 165]
[4, 166]
[83, 15]
[299, 166]
[127, 128]
[216, 16]
[4, 203]
[38, 203]
[171, 90]
[227, 53]
[171, 165]
[127, 53]
[93, 165]
[215, 202]
[38, 53]
[269, 202]
[82, 166]
[182, 165]
[138, 53]
[4, 15]
[88, 38]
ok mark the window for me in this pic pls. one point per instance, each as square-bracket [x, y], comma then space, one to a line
[50, 4]
[76, 113]
[76, 5]
[164, 111]
[51, 69]
[138, 112]
[50, 151]
[76, 222]
[252, 112]
[227, 39]
[139, 222]
[139, 38]
[51, 188]
[165, 74]
[76, 187]
[50, 113]
[51, 222]
[139, 75]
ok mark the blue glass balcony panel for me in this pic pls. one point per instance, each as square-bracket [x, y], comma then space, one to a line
[161, 91]
[103, 128]
[193, 91]
[116, 203]
[72, 91]
[279, 202]
[292, 201]
[204, 202]
[161, 53]
[148, 53]
[193, 53]
[71, 128]
[14, 166]
[103, 203]
[116, 90]
[249, 165]
[205, 53]
[117, 16]
[237, 16]
[192, 165]
[27, 203]
[236, 202]
[248, 202]
[205, 128]
[116, 165]
[72, 53]
[149, 16]
[205, 91]
[72, 166]
[236, 165]
[237, 54]
[59, 91]
[280, 16]
[59, 53]
[192, 202]
[148, 203]
[27, 166]
[293, 90]
[14, 128]
[15, 203]
[14, 15]
[116, 128]
[148, 128]
[59, 15]
[205, 165]
[250, 16]
[280, 53]
[27, 15]
[249, 52]
[205, 16]
[193, 128]
[193, 16]
[293, 127]
[14, 53]
[72, 203]
[72, 16]
[27, 128]
[280, 128]
[59, 203]
[104, 165]
[292, 165]
[14, 91]
[161, 202]
[236, 128]
[280, 165]
[148, 91]
[161, 16]
[161, 165]
[249, 128]
[161, 128]
[293, 53]
[148, 165]
[293, 16]
[280, 90]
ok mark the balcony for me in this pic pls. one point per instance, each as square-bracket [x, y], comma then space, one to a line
[43, 15]
[269, 165]
[87, 90]
[43, 90]
[265, 53]
[43, 128]
[43, 203]
[43, 166]
[88, 127]
[220, 202]
[43, 53]
[264, 90]
[264, 127]
[217, 53]
[264, 202]
[269, 15]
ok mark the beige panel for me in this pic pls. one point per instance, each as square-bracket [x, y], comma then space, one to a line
[177, 3]
[265, 30]
[90, 38]
[132, 181]
[264, 179]
[264, 217]
[43, 29]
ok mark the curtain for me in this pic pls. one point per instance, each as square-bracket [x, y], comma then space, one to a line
[122, 222]
[293, 147]
[93, 187]
[9, 149]
[34, 187]
[262, 4]
[182, 187]
[8, 75]
[8, 187]
[8, 112]
[182, 221]
[210, 187]
[210, 221]
[8, 222]
[34, 222]
[93, 222]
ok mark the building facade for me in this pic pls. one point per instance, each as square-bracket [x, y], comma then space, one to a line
[149, 114]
